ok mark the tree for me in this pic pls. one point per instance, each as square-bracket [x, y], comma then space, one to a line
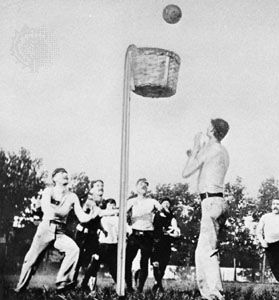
[21, 178]
[79, 184]
[268, 191]
[186, 208]
[237, 242]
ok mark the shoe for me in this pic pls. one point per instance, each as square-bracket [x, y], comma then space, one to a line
[61, 297]
[130, 290]
[18, 290]
[65, 286]
[85, 288]
[155, 288]
[161, 289]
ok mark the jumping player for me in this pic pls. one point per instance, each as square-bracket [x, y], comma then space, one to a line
[211, 161]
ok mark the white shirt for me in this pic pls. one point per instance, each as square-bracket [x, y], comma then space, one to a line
[143, 212]
[110, 225]
[268, 228]
[59, 211]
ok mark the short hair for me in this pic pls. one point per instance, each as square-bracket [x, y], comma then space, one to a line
[58, 170]
[165, 199]
[142, 180]
[94, 181]
[111, 201]
[106, 202]
[220, 128]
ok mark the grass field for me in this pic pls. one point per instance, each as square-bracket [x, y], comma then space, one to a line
[174, 290]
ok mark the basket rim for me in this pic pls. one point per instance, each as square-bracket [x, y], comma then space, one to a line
[165, 51]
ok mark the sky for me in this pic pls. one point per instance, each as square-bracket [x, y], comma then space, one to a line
[68, 109]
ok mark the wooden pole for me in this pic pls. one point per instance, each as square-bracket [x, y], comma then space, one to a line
[234, 269]
[263, 269]
[124, 173]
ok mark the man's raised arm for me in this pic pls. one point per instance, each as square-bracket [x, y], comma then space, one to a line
[81, 215]
[157, 205]
[195, 157]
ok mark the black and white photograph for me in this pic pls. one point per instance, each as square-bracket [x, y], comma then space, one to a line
[139, 149]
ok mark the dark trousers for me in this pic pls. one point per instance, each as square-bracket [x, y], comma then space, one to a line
[160, 257]
[142, 240]
[89, 245]
[272, 254]
[107, 256]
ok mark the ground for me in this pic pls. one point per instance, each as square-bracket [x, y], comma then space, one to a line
[41, 288]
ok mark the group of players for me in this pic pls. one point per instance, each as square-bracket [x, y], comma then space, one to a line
[150, 234]
[97, 235]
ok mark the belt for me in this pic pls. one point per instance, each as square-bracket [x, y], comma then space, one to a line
[209, 195]
[57, 223]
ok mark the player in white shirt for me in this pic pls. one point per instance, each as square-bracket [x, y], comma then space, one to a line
[211, 161]
[268, 235]
[56, 203]
[142, 213]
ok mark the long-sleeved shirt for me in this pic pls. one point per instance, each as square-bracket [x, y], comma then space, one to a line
[110, 225]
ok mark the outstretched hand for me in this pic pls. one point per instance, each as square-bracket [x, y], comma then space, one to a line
[174, 232]
[264, 244]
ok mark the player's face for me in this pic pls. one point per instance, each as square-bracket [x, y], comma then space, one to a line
[111, 206]
[142, 188]
[166, 205]
[97, 189]
[275, 206]
[209, 131]
[61, 178]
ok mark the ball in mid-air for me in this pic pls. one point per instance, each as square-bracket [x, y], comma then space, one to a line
[172, 14]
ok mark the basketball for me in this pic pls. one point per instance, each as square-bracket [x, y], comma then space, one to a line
[172, 14]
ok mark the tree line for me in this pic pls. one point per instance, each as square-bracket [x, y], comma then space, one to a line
[22, 178]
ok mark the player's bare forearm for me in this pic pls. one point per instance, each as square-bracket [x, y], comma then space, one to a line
[108, 212]
[191, 167]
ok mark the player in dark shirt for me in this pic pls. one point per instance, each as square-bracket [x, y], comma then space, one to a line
[165, 230]
[87, 239]
[87, 235]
